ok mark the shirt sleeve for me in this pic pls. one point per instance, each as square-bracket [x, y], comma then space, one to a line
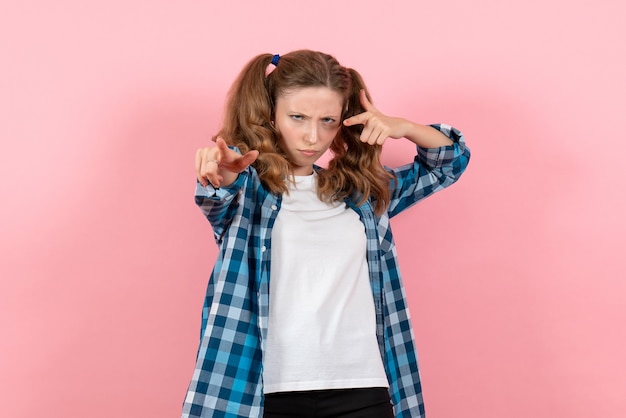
[433, 169]
[220, 205]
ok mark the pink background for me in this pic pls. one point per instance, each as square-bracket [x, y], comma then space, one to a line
[515, 275]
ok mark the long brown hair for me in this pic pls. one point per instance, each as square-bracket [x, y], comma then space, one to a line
[354, 171]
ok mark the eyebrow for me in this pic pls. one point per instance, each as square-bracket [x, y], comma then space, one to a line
[330, 115]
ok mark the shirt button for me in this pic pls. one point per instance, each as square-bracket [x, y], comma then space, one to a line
[274, 207]
[263, 248]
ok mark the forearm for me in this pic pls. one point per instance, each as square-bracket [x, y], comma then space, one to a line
[432, 170]
[219, 205]
[425, 136]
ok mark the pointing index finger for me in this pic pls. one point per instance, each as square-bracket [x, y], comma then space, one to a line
[359, 119]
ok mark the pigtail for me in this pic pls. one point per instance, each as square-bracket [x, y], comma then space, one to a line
[354, 106]
[247, 123]
[356, 171]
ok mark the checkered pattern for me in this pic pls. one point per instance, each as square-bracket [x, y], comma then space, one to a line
[227, 380]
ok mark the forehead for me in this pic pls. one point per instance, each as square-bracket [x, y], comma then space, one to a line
[310, 100]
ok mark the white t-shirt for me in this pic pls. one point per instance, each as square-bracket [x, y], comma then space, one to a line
[322, 325]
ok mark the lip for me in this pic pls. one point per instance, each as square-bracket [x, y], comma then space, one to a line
[308, 152]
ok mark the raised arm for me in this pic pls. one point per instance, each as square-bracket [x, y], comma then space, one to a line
[442, 155]
[377, 127]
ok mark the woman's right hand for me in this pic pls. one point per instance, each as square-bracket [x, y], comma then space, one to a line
[220, 165]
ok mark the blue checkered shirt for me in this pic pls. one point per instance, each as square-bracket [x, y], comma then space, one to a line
[227, 380]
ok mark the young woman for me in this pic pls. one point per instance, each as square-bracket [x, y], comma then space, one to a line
[305, 312]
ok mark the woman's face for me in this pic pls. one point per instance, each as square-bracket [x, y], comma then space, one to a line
[307, 120]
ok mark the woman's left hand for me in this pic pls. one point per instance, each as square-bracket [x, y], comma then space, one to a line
[376, 126]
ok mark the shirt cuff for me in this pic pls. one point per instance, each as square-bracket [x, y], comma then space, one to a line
[219, 193]
[437, 157]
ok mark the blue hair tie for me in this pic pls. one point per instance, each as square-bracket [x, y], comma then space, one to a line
[275, 59]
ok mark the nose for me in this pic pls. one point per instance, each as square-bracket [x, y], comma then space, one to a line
[311, 134]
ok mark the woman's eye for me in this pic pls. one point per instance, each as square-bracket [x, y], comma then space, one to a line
[296, 117]
[328, 120]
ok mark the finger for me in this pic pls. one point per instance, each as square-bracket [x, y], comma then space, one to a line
[366, 134]
[373, 138]
[249, 157]
[214, 178]
[210, 165]
[216, 181]
[199, 176]
[360, 119]
[242, 162]
[222, 146]
[376, 135]
[367, 105]
[377, 131]
[381, 137]
[219, 141]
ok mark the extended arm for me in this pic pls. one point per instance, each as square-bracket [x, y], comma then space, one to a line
[220, 165]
